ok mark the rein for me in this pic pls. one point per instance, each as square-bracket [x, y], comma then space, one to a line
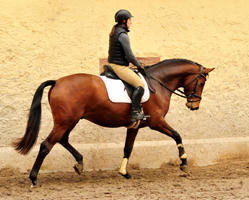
[149, 76]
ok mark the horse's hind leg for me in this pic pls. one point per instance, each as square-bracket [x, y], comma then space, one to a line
[45, 148]
[78, 157]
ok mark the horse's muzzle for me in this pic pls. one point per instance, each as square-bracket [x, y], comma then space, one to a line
[193, 105]
[195, 108]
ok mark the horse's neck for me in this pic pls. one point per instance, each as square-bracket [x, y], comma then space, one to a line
[172, 76]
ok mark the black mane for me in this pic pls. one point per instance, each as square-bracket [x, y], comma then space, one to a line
[172, 61]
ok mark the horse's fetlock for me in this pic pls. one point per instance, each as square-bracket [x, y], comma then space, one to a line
[184, 156]
[123, 166]
[80, 159]
[182, 153]
[184, 162]
[33, 176]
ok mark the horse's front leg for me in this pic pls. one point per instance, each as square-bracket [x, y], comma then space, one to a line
[183, 156]
[130, 138]
[164, 128]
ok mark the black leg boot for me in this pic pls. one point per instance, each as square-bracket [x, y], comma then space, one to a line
[135, 105]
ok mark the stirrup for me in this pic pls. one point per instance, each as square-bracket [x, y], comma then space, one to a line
[140, 116]
[137, 119]
[145, 116]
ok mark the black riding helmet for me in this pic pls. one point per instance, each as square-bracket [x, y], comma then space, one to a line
[122, 15]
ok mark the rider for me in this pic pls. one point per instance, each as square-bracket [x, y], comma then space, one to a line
[120, 55]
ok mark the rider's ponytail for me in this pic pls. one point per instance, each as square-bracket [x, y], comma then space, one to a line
[113, 29]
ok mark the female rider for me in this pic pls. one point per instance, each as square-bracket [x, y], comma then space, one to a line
[120, 55]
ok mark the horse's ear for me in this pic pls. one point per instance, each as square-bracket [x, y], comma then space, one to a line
[207, 70]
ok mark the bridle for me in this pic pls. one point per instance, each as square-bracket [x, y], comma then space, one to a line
[190, 96]
[193, 92]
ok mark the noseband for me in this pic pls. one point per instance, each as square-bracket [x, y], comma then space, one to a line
[193, 92]
[182, 94]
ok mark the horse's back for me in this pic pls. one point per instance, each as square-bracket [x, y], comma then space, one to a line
[77, 79]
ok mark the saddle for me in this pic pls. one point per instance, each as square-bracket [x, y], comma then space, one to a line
[109, 73]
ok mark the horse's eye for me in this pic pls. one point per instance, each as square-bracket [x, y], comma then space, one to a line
[202, 84]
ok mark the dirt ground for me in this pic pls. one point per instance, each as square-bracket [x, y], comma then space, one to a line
[225, 180]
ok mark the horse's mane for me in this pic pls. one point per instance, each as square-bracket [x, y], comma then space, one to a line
[173, 61]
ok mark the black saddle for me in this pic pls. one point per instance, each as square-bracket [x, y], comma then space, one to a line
[109, 73]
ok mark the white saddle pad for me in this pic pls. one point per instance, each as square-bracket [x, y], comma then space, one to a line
[117, 93]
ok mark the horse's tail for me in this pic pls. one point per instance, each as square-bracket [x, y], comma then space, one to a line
[24, 144]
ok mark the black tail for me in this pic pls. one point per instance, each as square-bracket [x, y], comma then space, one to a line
[24, 144]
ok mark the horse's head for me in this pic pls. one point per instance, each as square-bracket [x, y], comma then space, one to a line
[193, 87]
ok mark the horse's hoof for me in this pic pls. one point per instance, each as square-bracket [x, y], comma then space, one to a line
[184, 168]
[78, 168]
[127, 175]
[34, 184]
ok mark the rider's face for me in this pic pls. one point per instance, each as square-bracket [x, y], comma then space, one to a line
[129, 23]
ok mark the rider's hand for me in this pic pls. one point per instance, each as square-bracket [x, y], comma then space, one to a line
[141, 67]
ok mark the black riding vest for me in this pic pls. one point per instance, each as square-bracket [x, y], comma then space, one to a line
[116, 52]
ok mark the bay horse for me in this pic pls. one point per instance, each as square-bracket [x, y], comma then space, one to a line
[84, 96]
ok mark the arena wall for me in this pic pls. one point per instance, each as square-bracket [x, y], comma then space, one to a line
[42, 40]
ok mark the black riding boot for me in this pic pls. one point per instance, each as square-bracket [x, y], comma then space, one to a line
[135, 105]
